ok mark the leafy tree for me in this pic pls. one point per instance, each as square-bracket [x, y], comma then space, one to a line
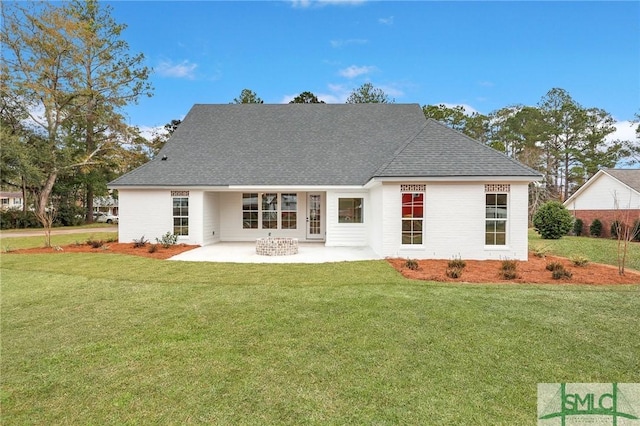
[552, 220]
[474, 125]
[576, 138]
[367, 94]
[69, 68]
[306, 98]
[172, 126]
[247, 97]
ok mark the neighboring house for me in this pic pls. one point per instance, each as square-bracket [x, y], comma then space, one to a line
[611, 194]
[11, 200]
[376, 175]
[107, 205]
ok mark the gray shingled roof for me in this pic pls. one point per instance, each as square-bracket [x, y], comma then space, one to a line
[630, 177]
[315, 144]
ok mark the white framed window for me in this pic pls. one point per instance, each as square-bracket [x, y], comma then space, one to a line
[269, 210]
[412, 217]
[250, 211]
[496, 218]
[350, 210]
[181, 215]
[289, 213]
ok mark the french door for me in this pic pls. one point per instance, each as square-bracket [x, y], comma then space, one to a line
[315, 217]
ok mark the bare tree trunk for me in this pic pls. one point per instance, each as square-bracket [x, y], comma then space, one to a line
[45, 216]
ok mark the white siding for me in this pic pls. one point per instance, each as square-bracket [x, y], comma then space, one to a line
[149, 213]
[455, 223]
[144, 213]
[346, 234]
[601, 193]
[374, 219]
[211, 218]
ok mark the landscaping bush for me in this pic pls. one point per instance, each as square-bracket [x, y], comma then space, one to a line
[95, 243]
[17, 219]
[140, 243]
[454, 272]
[595, 229]
[578, 260]
[167, 240]
[69, 216]
[457, 262]
[552, 220]
[635, 232]
[153, 248]
[508, 269]
[617, 228]
[411, 264]
[553, 266]
[577, 227]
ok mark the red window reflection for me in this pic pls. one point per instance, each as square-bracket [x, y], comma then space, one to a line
[412, 204]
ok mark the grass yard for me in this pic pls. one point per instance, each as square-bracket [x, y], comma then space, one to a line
[599, 250]
[91, 339]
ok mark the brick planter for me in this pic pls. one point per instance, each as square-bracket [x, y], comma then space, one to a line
[276, 246]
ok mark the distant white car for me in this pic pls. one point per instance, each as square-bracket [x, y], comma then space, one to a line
[106, 218]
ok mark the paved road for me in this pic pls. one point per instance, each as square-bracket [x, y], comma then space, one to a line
[56, 231]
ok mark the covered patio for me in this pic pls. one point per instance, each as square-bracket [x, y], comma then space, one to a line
[245, 252]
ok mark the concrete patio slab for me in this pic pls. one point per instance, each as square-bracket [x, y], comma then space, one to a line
[246, 253]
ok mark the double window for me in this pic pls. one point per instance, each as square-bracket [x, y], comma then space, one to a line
[269, 210]
[496, 216]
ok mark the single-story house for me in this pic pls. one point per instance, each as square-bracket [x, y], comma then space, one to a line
[11, 200]
[106, 204]
[610, 194]
[376, 175]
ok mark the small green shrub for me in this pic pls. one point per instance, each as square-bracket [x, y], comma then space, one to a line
[540, 251]
[553, 266]
[153, 248]
[454, 272]
[577, 227]
[508, 269]
[140, 243]
[95, 243]
[411, 264]
[552, 220]
[635, 232]
[617, 229]
[595, 229]
[578, 260]
[167, 240]
[561, 273]
[457, 262]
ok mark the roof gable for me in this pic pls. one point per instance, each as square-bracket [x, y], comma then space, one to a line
[447, 152]
[314, 144]
[627, 177]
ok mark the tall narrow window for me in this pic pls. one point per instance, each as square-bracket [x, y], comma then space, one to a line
[350, 210]
[496, 216]
[270, 211]
[289, 211]
[412, 217]
[180, 216]
[250, 211]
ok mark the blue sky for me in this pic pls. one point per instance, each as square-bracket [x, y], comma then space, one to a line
[484, 55]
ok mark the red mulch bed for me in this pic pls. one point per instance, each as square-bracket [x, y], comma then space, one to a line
[532, 271]
[476, 271]
[122, 248]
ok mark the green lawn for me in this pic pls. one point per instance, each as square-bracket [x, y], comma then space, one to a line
[92, 339]
[599, 250]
